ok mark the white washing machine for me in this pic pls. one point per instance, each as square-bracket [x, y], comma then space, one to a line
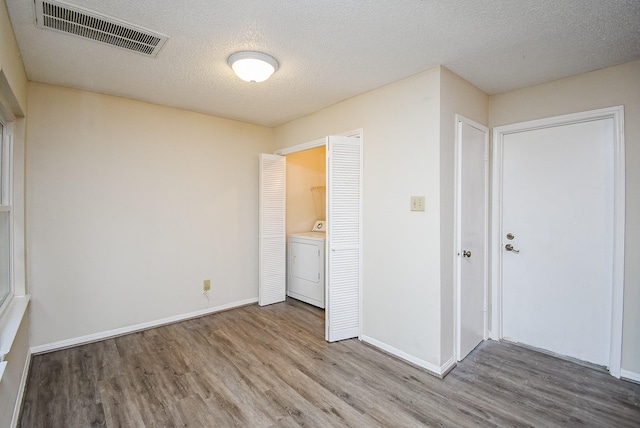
[306, 265]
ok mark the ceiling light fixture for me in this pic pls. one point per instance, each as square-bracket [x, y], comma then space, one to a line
[253, 66]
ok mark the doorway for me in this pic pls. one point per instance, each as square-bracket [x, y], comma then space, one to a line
[306, 225]
[343, 250]
[558, 235]
[472, 214]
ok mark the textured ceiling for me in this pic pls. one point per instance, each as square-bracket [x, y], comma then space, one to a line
[328, 50]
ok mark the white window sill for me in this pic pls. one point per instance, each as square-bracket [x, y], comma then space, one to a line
[9, 325]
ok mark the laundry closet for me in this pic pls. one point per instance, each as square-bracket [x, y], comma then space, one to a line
[306, 225]
[299, 188]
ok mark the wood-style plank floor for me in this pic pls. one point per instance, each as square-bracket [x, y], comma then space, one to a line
[270, 367]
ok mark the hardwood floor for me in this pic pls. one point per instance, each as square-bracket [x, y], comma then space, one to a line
[270, 367]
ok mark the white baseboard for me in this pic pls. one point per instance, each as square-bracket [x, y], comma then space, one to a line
[448, 366]
[438, 371]
[23, 386]
[68, 343]
[627, 375]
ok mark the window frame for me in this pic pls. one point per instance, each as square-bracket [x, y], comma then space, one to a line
[6, 198]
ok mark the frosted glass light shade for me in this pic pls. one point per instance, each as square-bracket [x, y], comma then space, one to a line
[253, 66]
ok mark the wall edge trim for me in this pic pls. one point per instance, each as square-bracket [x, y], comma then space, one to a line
[437, 371]
[95, 337]
[17, 408]
[630, 376]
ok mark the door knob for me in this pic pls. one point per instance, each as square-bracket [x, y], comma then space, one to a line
[509, 247]
[466, 253]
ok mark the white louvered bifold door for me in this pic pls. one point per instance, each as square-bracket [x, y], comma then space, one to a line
[272, 271]
[344, 202]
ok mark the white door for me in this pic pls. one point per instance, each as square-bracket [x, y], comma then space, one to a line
[472, 267]
[272, 230]
[557, 238]
[343, 256]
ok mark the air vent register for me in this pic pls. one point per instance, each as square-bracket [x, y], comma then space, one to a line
[66, 18]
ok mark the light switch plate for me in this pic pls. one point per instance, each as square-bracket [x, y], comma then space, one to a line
[417, 203]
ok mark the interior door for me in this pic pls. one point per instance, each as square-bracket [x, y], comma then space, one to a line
[472, 152]
[343, 256]
[272, 230]
[557, 239]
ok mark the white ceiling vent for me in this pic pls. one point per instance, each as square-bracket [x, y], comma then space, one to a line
[58, 16]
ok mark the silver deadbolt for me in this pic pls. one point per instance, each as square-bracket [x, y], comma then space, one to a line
[509, 247]
[466, 253]
[510, 236]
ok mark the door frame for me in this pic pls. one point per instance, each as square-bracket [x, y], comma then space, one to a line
[617, 114]
[357, 133]
[457, 274]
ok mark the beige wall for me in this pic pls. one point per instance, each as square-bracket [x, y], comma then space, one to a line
[304, 170]
[608, 87]
[457, 96]
[401, 251]
[130, 207]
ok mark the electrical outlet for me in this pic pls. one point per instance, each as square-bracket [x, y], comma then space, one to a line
[417, 203]
[207, 285]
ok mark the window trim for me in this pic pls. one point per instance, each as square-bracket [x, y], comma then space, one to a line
[6, 199]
